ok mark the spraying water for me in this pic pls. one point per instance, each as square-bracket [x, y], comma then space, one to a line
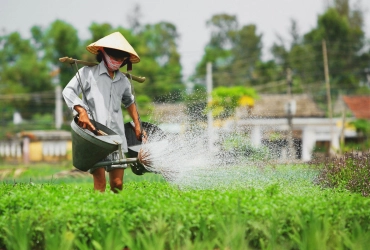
[186, 160]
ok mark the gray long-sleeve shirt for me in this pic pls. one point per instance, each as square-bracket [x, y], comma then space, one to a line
[104, 96]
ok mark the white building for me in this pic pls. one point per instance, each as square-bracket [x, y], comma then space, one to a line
[309, 128]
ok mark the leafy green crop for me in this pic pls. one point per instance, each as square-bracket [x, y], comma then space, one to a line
[157, 215]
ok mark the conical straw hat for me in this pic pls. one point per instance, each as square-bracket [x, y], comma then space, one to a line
[114, 41]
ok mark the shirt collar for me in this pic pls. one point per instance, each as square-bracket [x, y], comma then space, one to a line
[103, 69]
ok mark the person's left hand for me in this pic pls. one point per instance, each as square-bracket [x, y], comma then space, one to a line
[140, 135]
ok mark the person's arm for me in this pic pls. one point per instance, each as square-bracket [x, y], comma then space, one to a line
[72, 91]
[132, 111]
[128, 100]
[71, 96]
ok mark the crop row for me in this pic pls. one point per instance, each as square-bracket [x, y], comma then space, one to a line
[156, 215]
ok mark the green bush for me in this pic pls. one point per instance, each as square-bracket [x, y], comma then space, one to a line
[226, 99]
[241, 146]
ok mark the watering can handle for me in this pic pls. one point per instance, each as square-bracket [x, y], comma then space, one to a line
[116, 162]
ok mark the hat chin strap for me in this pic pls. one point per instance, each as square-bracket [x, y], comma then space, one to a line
[129, 66]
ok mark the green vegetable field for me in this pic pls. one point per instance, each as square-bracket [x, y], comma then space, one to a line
[277, 212]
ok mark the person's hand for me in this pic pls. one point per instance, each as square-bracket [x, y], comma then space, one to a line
[140, 135]
[84, 120]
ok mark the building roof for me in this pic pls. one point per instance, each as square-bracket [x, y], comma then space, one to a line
[274, 106]
[266, 106]
[359, 106]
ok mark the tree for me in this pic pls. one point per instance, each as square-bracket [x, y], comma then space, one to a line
[223, 28]
[247, 50]
[60, 40]
[266, 74]
[341, 25]
[344, 42]
[161, 64]
[233, 52]
[280, 49]
[21, 71]
[295, 56]
[99, 31]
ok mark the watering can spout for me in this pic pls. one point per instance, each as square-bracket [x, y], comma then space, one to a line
[143, 157]
[142, 163]
[139, 165]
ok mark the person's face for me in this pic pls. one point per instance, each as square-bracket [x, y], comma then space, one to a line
[116, 56]
[120, 59]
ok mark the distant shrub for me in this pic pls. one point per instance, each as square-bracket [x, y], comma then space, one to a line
[242, 146]
[351, 172]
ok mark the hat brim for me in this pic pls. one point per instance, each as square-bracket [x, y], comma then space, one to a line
[94, 50]
[114, 41]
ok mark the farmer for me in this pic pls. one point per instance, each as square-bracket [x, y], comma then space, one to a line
[105, 88]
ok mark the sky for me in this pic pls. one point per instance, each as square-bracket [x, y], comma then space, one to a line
[272, 18]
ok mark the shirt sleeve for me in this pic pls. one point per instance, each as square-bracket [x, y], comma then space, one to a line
[127, 97]
[72, 91]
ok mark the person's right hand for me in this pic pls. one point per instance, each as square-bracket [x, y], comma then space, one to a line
[83, 119]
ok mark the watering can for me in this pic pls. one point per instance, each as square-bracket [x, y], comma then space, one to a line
[88, 149]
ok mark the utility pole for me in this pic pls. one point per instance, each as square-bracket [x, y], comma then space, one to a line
[327, 84]
[367, 72]
[58, 107]
[289, 111]
[209, 100]
[289, 81]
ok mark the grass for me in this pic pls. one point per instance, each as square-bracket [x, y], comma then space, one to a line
[46, 173]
